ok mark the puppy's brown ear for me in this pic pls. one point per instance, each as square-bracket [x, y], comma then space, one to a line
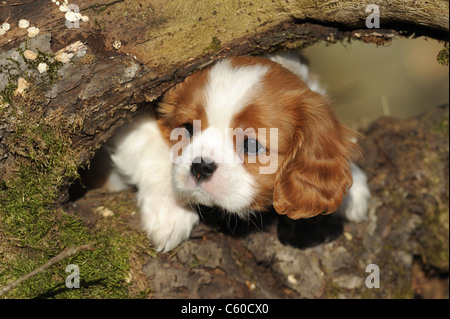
[315, 177]
[183, 103]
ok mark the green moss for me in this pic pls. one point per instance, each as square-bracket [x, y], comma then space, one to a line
[435, 227]
[36, 231]
[7, 92]
[27, 68]
[442, 57]
[33, 228]
[331, 289]
[48, 58]
[214, 46]
[434, 236]
[442, 126]
[103, 271]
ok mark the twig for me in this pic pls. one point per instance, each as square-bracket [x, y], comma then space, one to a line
[19, 3]
[63, 255]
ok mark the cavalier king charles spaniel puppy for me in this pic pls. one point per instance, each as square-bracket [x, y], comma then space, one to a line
[245, 134]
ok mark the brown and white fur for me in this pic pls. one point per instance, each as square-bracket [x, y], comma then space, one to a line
[211, 144]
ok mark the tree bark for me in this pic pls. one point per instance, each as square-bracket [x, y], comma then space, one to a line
[135, 50]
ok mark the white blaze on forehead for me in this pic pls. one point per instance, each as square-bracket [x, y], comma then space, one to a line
[231, 187]
[228, 90]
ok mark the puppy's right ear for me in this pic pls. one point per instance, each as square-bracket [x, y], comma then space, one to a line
[165, 113]
[183, 103]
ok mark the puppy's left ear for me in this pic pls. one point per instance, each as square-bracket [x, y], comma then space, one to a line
[316, 175]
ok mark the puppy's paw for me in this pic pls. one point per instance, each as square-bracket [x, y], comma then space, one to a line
[356, 202]
[167, 222]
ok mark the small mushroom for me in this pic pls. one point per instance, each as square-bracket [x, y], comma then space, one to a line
[30, 55]
[72, 16]
[33, 31]
[117, 44]
[23, 24]
[22, 85]
[5, 26]
[42, 67]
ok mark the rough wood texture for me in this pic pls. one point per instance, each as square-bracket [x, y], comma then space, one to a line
[162, 34]
[162, 42]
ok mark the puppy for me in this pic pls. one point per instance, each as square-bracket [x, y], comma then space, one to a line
[245, 134]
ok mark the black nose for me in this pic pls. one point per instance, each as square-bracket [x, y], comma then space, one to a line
[202, 169]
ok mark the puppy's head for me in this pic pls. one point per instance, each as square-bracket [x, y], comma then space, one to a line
[247, 134]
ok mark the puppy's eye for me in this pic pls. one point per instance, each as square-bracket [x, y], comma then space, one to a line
[190, 128]
[253, 147]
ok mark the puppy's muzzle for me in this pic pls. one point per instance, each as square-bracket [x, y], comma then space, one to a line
[202, 169]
